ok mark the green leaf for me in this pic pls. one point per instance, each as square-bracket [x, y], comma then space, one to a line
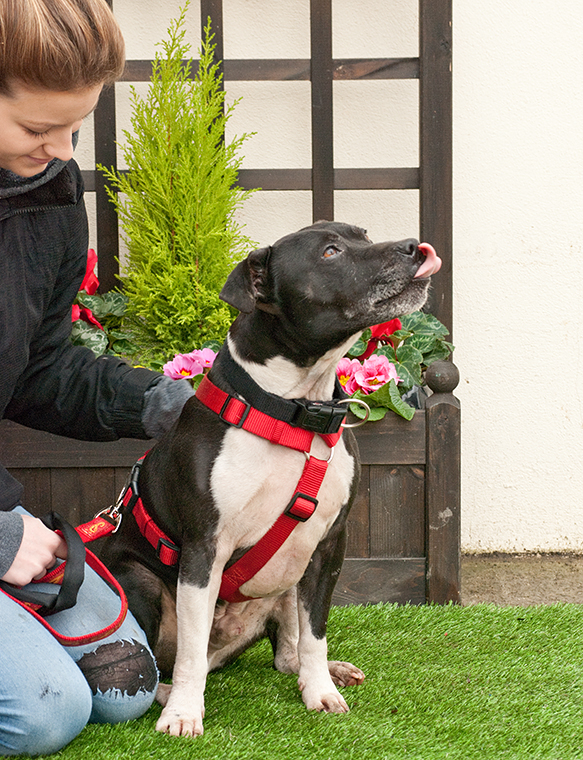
[214, 345]
[124, 347]
[408, 354]
[91, 337]
[441, 351]
[423, 343]
[361, 344]
[408, 375]
[376, 413]
[388, 396]
[115, 303]
[401, 334]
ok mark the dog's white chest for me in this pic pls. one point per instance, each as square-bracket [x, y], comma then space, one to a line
[252, 482]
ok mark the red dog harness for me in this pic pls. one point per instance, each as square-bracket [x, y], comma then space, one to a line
[301, 507]
[303, 503]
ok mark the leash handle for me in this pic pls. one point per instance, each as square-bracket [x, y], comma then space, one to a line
[67, 576]
[70, 575]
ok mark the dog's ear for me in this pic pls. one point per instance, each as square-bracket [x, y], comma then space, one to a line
[247, 282]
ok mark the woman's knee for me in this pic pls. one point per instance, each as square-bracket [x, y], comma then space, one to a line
[123, 678]
[45, 714]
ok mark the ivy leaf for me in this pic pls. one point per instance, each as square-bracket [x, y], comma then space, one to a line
[441, 351]
[387, 351]
[124, 347]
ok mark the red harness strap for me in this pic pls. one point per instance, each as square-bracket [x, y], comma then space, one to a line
[240, 414]
[304, 502]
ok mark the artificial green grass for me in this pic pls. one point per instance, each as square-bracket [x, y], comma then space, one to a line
[442, 682]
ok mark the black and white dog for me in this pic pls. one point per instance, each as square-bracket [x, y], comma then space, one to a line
[214, 488]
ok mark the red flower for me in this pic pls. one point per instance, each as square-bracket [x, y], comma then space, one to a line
[90, 282]
[381, 334]
[89, 285]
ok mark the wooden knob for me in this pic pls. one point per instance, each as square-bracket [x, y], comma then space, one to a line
[442, 377]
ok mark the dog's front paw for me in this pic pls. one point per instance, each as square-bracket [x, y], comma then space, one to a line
[178, 723]
[331, 701]
[345, 674]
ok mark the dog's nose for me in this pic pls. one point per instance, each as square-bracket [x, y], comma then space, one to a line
[408, 247]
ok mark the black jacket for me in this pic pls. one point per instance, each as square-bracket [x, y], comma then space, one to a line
[45, 381]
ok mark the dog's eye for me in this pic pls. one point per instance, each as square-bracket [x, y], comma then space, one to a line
[331, 251]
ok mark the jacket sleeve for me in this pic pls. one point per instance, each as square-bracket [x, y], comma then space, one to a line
[65, 389]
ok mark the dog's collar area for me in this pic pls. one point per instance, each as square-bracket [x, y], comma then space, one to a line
[322, 417]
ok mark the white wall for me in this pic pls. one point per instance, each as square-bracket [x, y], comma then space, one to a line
[518, 170]
[518, 192]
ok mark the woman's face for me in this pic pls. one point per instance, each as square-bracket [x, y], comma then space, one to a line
[37, 125]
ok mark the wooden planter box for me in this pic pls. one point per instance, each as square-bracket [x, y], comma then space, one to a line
[403, 538]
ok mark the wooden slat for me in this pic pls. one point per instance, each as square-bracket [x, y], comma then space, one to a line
[436, 146]
[393, 440]
[292, 69]
[78, 493]
[37, 489]
[376, 179]
[397, 511]
[322, 110]
[301, 179]
[22, 447]
[369, 581]
[358, 527]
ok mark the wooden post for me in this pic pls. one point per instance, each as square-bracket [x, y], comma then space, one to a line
[435, 111]
[442, 485]
[322, 114]
[106, 154]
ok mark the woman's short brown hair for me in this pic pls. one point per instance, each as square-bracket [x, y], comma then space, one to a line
[59, 44]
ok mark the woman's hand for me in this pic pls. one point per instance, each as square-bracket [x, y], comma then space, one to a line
[39, 549]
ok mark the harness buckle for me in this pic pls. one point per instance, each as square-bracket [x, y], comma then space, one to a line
[224, 409]
[318, 417]
[164, 543]
[301, 512]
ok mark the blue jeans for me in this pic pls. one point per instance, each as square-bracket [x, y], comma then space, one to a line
[48, 692]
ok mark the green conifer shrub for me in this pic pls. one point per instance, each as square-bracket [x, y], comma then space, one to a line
[177, 202]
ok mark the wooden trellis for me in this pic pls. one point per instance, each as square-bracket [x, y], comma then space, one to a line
[432, 177]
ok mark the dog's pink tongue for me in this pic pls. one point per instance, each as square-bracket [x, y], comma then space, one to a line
[432, 263]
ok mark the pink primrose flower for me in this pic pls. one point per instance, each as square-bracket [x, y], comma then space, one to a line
[183, 366]
[345, 371]
[204, 356]
[375, 372]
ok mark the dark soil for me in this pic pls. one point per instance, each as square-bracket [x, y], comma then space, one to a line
[522, 580]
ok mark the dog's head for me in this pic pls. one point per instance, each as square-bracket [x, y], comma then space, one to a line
[329, 281]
